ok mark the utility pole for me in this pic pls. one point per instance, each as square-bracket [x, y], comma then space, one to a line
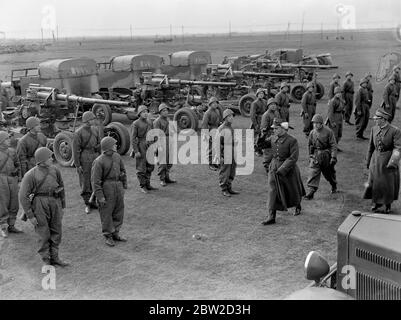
[182, 29]
[302, 29]
[57, 32]
[288, 31]
[41, 31]
[229, 29]
[321, 31]
[130, 30]
[171, 31]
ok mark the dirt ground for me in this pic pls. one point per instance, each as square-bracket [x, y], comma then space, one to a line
[238, 258]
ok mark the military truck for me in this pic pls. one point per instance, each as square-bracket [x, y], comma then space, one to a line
[368, 261]
[187, 65]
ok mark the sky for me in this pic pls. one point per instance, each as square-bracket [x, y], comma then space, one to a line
[26, 18]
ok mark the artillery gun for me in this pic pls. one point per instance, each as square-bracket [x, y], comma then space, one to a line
[59, 115]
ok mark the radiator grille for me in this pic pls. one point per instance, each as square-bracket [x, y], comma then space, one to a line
[371, 288]
[378, 259]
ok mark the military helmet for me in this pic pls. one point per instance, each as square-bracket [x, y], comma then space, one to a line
[392, 77]
[349, 73]
[317, 118]
[336, 76]
[368, 75]
[162, 106]
[3, 136]
[88, 116]
[107, 143]
[362, 81]
[227, 112]
[212, 99]
[337, 90]
[310, 85]
[284, 84]
[32, 122]
[42, 154]
[141, 109]
[259, 91]
[271, 101]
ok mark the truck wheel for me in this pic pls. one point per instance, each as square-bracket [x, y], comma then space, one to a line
[319, 90]
[245, 104]
[62, 148]
[119, 132]
[297, 92]
[103, 111]
[186, 119]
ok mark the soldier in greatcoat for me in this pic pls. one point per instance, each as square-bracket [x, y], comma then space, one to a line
[348, 97]
[283, 101]
[258, 108]
[390, 97]
[308, 104]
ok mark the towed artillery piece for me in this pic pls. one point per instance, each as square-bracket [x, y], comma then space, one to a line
[59, 115]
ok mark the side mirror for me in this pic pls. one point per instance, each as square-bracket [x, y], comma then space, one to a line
[316, 267]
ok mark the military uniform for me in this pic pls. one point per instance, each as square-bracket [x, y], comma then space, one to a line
[333, 85]
[86, 147]
[228, 164]
[266, 123]
[211, 120]
[144, 169]
[361, 111]
[9, 173]
[369, 87]
[397, 83]
[46, 184]
[335, 113]
[390, 97]
[285, 184]
[322, 149]
[283, 102]
[108, 181]
[165, 166]
[308, 104]
[258, 108]
[348, 97]
[26, 148]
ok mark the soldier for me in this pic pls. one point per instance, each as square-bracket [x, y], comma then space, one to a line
[323, 156]
[369, 87]
[109, 178]
[258, 108]
[390, 97]
[85, 148]
[348, 97]
[285, 184]
[335, 113]
[308, 104]
[396, 74]
[140, 146]
[211, 120]
[228, 163]
[361, 112]
[383, 162]
[162, 123]
[334, 84]
[29, 143]
[266, 129]
[42, 198]
[283, 101]
[9, 176]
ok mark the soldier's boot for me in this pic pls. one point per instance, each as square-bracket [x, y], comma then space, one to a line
[3, 232]
[168, 180]
[388, 209]
[297, 211]
[163, 183]
[271, 218]
[56, 261]
[309, 195]
[226, 193]
[231, 191]
[13, 229]
[333, 189]
[46, 261]
[117, 237]
[109, 241]
[376, 207]
[149, 187]
[87, 209]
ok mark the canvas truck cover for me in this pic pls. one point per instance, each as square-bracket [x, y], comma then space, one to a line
[67, 68]
[136, 62]
[187, 58]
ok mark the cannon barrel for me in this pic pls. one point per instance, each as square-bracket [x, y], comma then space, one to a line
[264, 74]
[202, 83]
[44, 92]
[164, 81]
[311, 66]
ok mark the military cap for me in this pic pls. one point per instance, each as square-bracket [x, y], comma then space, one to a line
[317, 118]
[212, 99]
[310, 85]
[42, 154]
[227, 112]
[349, 73]
[362, 81]
[284, 84]
[382, 114]
[336, 76]
[107, 143]
[285, 126]
[162, 106]
[32, 122]
[142, 108]
[87, 116]
[3, 136]
[259, 91]
[271, 101]
[337, 90]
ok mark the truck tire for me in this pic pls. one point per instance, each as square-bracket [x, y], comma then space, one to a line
[107, 113]
[62, 148]
[186, 119]
[319, 90]
[297, 92]
[245, 104]
[119, 132]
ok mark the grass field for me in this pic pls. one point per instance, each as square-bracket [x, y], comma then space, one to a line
[238, 258]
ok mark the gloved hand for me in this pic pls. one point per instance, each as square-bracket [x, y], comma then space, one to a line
[34, 221]
[138, 155]
[333, 161]
[102, 202]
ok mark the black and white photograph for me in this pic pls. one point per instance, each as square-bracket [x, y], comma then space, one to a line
[222, 152]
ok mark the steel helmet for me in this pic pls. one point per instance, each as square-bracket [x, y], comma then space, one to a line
[142, 108]
[336, 76]
[212, 99]
[284, 84]
[107, 143]
[42, 154]
[310, 85]
[87, 116]
[349, 73]
[227, 112]
[3, 136]
[271, 101]
[259, 91]
[337, 90]
[162, 106]
[317, 118]
[32, 122]
[362, 81]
